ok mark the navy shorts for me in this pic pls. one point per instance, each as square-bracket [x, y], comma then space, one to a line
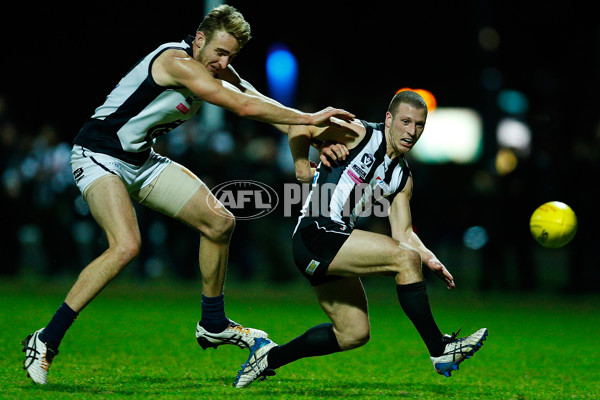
[314, 248]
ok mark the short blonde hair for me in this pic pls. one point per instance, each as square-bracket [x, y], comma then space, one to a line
[226, 18]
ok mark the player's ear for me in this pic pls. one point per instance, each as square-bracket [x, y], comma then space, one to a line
[200, 39]
[388, 119]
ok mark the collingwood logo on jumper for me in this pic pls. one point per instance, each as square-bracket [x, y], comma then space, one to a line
[359, 171]
[312, 267]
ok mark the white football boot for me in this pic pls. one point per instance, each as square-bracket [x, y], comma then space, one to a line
[234, 334]
[458, 350]
[256, 367]
[38, 357]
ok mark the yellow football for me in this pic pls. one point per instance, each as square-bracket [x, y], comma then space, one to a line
[553, 224]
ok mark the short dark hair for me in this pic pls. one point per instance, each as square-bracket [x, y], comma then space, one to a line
[226, 18]
[409, 97]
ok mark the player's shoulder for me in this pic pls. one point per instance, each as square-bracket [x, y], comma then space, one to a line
[172, 55]
[371, 125]
[173, 66]
[173, 50]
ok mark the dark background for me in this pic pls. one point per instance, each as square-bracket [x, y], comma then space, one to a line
[60, 61]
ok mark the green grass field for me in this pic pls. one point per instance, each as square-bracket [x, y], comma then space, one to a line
[137, 342]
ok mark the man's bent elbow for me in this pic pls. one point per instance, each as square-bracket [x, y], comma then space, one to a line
[304, 175]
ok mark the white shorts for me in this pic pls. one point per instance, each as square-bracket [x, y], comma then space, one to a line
[88, 166]
[167, 195]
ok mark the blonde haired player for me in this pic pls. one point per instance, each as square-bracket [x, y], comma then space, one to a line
[113, 161]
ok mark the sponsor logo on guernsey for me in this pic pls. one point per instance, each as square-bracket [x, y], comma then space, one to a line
[384, 186]
[312, 267]
[356, 178]
[183, 108]
[115, 165]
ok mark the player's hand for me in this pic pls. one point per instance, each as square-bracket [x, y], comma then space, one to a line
[332, 151]
[322, 118]
[441, 272]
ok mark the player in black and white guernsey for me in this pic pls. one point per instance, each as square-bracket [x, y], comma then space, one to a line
[113, 161]
[333, 255]
[342, 193]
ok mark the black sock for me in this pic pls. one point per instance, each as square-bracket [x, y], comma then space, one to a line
[57, 327]
[213, 314]
[317, 341]
[415, 303]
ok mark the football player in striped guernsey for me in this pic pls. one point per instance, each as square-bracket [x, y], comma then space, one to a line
[333, 255]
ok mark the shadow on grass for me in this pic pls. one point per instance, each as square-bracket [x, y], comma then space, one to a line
[187, 386]
[131, 386]
[354, 389]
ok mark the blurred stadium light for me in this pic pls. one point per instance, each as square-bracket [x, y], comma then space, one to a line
[451, 135]
[506, 161]
[514, 134]
[513, 102]
[491, 79]
[427, 96]
[282, 73]
[489, 38]
[475, 237]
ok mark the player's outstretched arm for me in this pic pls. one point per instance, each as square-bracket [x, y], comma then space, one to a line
[231, 75]
[402, 231]
[176, 68]
[304, 168]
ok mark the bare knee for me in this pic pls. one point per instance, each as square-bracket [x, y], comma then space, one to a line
[361, 338]
[353, 338]
[125, 250]
[219, 229]
[408, 267]
[413, 260]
